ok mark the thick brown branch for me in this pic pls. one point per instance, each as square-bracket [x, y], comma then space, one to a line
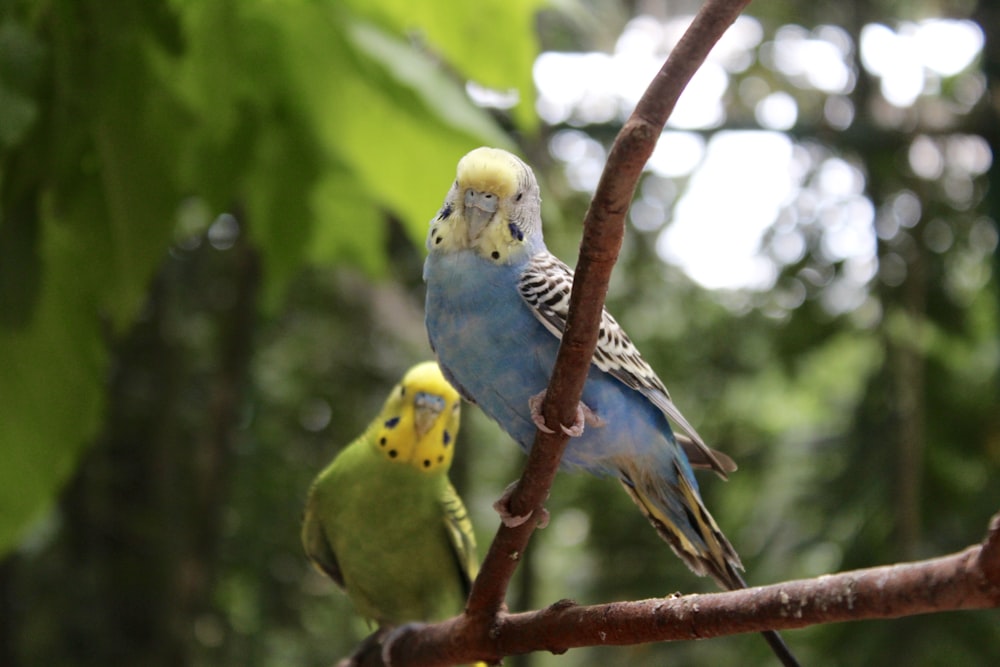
[969, 579]
[989, 557]
[943, 584]
[604, 228]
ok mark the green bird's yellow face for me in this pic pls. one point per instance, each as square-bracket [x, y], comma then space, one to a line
[419, 421]
[493, 207]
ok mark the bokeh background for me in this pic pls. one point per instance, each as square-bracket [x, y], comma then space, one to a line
[211, 240]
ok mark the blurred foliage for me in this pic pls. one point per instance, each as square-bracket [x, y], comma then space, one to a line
[132, 125]
[210, 256]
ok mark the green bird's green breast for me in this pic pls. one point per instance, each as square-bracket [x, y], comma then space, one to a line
[386, 526]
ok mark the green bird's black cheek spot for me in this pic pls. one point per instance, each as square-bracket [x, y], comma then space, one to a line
[391, 423]
[440, 459]
[427, 463]
[381, 441]
[495, 254]
[446, 438]
[393, 453]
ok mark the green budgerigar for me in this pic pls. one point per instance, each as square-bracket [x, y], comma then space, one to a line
[383, 520]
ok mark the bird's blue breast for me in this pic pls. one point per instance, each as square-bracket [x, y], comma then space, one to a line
[491, 345]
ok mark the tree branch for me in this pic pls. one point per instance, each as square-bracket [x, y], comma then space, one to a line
[969, 579]
[603, 230]
[966, 580]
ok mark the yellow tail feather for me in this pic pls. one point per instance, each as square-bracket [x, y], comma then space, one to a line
[715, 556]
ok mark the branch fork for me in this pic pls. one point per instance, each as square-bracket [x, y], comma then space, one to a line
[487, 631]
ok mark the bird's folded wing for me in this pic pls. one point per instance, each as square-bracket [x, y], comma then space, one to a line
[545, 287]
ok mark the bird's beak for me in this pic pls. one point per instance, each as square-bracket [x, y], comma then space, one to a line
[480, 207]
[426, 410]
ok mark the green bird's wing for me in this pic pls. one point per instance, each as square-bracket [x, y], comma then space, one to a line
[458, 526]
[314, 541]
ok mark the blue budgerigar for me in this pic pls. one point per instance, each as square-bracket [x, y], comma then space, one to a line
[497, 302]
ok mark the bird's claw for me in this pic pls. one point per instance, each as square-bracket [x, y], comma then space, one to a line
[502, 506]
[584, 417]
[576, 429]
[535, 405]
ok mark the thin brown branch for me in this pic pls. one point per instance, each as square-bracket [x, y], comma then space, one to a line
[604, 228]
[969, 579]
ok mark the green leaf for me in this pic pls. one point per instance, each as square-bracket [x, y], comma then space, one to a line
[51, 390]
[491, 43]
[304, 116]
[350, 226]
[105, 195]
[21, 59]
[17, 115]
[438, 92]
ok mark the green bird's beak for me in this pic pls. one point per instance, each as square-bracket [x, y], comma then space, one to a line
[480, 207]
[426, 410]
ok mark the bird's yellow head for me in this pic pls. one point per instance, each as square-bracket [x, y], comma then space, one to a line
[493, 207]
[420, 419]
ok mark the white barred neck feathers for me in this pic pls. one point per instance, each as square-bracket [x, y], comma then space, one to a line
[493, 208]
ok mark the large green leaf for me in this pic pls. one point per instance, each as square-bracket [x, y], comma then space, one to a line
[51, 389]
[313, 118]
[351, 228]
[491, 43]
[336, 108]
[104, 204]
[425, 124]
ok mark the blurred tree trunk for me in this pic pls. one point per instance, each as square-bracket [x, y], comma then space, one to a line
[987, 14]
[903, 377]
[525, 582]
[8, 626]
[905, 356]
[142, 518]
